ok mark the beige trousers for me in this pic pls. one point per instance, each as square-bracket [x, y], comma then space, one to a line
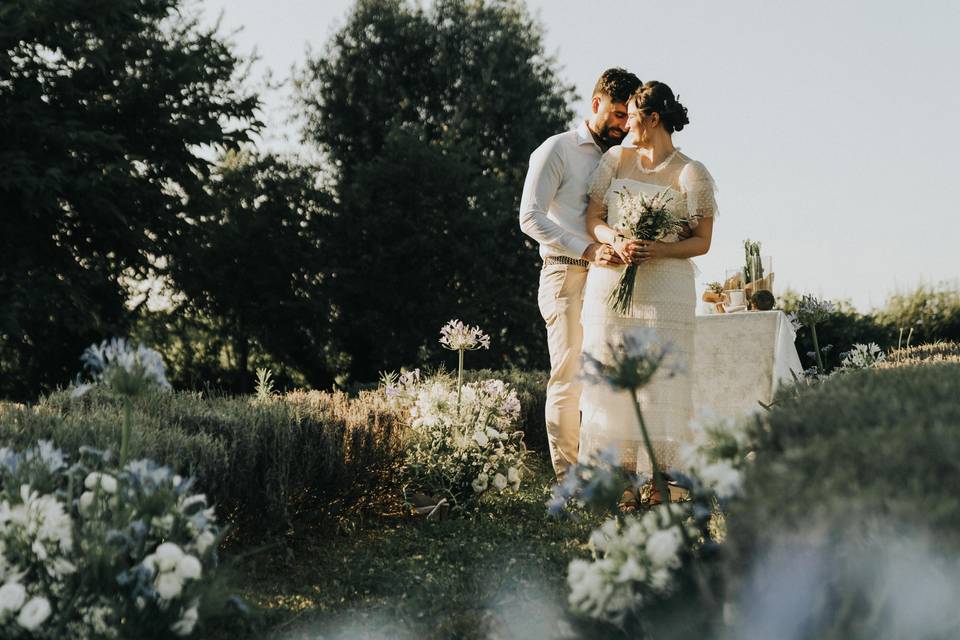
[560, 299]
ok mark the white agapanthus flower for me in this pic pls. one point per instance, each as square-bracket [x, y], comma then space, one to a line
[34, 613]
[457, 336]
[863, 356]
[204, 541]
[722, 478]
[126, 370]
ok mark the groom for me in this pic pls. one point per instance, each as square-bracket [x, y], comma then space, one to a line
[552, 213]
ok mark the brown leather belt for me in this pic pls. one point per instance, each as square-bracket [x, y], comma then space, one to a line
[578, 262]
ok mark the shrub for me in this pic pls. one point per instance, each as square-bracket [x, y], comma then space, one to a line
[932, 312]
[858, 458]
[257, 461]
[923, 354]
[531, 388]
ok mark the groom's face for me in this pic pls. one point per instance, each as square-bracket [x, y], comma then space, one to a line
[609, 120]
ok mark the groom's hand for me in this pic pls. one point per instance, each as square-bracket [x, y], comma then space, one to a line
[602, 255]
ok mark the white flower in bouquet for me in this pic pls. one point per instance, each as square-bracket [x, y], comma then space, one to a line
[13, 595]
[184, 626]
[34, 613]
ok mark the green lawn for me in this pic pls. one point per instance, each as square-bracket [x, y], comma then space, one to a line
[367, 570]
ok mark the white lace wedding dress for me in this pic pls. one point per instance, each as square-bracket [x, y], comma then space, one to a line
[664, 298]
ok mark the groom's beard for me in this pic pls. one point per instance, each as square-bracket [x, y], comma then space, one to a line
[611, 136]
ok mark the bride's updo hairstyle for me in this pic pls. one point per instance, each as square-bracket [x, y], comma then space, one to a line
[656, 97]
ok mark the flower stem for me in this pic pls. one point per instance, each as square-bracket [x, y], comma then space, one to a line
[665, 494]
[125, 430]
[459, 379]
[816, 348]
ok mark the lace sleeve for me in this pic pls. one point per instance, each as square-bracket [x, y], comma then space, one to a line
[603, 175]
[700, 189]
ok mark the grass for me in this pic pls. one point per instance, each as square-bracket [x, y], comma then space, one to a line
[369, 570]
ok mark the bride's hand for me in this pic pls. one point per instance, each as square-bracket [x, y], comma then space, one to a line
[628, 250]
[651, 250]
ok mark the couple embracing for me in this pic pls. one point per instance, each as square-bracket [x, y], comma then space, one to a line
[570, 206]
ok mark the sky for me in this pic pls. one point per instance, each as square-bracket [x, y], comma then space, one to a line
[831, 127]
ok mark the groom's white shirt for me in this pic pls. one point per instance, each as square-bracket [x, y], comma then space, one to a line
[554, 200]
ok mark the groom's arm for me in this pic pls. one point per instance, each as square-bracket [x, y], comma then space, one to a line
[544, 177]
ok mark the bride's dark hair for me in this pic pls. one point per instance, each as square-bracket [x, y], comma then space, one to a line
[656, 97]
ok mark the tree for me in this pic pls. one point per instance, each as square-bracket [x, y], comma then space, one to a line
[254, 266]
[427, 119]
[103, 111]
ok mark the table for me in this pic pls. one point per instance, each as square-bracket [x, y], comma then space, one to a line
[740, 359]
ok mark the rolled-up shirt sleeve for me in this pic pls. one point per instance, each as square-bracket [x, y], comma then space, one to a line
[544, 177]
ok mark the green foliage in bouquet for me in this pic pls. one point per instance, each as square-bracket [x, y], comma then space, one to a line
[90, 550]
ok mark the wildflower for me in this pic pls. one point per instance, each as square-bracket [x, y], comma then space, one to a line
[500, 482]
[125, 370]
[662, 547]
[480, 483]
[457, 336]
[812, 311]
[636, 355]
[862, 356]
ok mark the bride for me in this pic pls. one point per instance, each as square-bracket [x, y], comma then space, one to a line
[664, 296]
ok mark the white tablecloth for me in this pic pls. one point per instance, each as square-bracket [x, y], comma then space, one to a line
[740, 359]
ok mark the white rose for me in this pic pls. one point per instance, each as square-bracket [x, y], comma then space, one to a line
[12, 597]
[481, 438]
[86, 500]
[513, 475]
[169, 585]
[189, 568]
[500, 482]
[108, 483]
[92, 480]
[34, 613]
[184, 626]
[168, 554]
[493, 434]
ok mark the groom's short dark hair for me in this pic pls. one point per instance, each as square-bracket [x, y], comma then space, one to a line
[617, 83]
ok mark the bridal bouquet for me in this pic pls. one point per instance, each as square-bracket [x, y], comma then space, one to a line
[641, 218]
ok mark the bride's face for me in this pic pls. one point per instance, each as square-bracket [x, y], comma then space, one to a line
[637, 124]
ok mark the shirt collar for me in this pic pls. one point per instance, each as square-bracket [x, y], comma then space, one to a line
[584, 136]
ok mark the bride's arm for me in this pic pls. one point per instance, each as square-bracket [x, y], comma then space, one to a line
[696, 245]
[626, 249]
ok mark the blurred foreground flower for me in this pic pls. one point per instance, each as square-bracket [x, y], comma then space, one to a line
[127, 372]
